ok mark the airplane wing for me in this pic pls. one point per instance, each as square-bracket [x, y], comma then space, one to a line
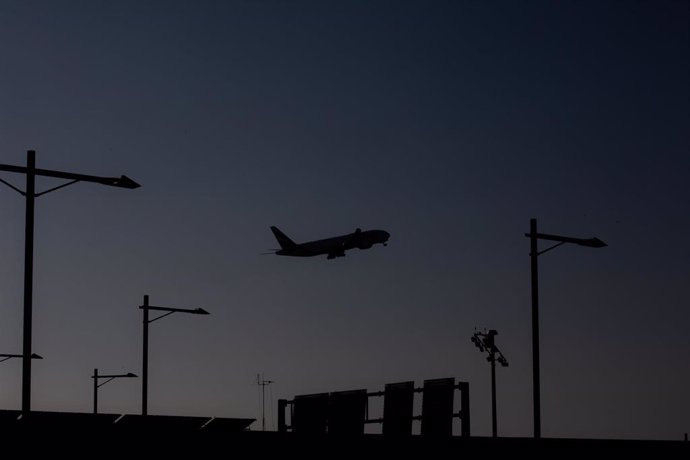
[353, 240]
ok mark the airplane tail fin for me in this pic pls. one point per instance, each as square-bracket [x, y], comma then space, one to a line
[283, 240]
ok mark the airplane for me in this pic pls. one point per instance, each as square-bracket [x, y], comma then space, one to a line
[333, 247]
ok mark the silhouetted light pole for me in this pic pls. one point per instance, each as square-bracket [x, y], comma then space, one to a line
[30, 171]
[486, 341]
[534, 253]
[145, 361]
[5, 356]
[96, 385]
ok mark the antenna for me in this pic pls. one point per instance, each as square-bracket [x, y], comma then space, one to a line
[260, 381]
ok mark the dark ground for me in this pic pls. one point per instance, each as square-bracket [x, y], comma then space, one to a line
[87, 435]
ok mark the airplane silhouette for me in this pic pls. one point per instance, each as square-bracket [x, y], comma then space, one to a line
[333, 247]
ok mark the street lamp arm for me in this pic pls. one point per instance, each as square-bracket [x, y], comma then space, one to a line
[122, 181]
[12, 168]
[194, 311]
[14, 355]
[589, 242]
[114, 376]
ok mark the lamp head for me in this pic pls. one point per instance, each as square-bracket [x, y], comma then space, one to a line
[124, 182]
[593, 243]
[477, 343]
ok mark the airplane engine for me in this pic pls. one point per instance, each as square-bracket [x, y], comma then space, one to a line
[364, 245]
[334, 254]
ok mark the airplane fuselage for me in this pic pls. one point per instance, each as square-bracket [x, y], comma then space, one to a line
[336, 246]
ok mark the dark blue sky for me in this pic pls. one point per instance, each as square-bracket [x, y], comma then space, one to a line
[449, 124]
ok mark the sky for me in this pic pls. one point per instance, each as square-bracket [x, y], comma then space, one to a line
[447, 124]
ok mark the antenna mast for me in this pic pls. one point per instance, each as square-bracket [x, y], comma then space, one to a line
[263, 383]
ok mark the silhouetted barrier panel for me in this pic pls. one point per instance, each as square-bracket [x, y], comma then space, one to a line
[310, 413]
[398, 403]
[437, 407]
[346, 412]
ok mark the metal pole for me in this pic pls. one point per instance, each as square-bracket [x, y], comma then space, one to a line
[263, 404]
[534, 253]
[95, 391]
[494, 423]
[145, 360]
[28, 279]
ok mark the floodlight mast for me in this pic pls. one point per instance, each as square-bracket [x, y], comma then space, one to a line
[486, 341]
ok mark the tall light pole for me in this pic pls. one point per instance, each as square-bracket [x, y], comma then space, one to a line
[486, 341]
[97, 385]
[30, 171]
[145, 359]
[534, 253]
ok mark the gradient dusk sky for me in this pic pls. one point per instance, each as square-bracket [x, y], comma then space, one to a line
[447, 123]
